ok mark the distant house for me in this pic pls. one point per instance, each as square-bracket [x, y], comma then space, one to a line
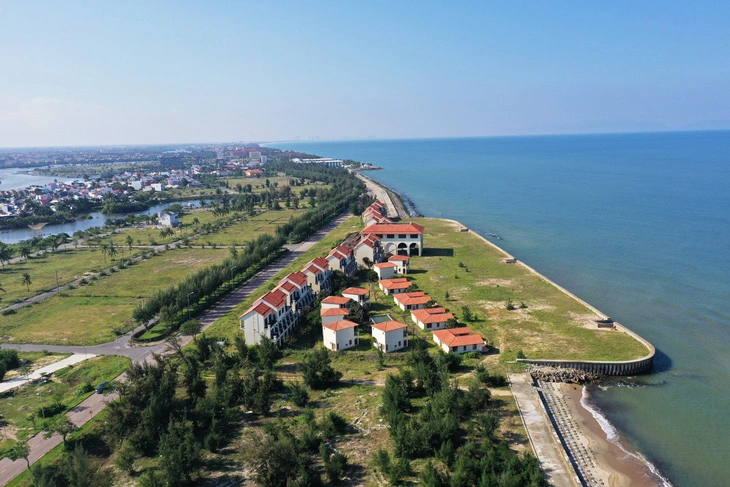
[168, 218]
[340, 335]
[385, 270]
[395, 285]
[431, 318]
[458, 340]
[269, 317]
[358, 294]
[318, 275]
[368, 246]
[402, 263]
[342, 259]
[158, 186]
[330, 315]
[335, 302]
[398, 238]
[254, 172]
[390, 336]
[411, 301]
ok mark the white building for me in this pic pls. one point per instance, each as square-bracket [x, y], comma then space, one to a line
[168, 218]
[411, 301]
[390, 336]
[319, 275]
[269, 317]
[431, 318]
[402, 262]
[158, 186]
[340, 335]
[458, 340]
[398, 238]
[394, 285]
[369, 247]
[385, 270]
[342, 259]
[334, 302]
[331, 315]
[358, 294]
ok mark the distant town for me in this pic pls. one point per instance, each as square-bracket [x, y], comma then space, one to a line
[129, 179]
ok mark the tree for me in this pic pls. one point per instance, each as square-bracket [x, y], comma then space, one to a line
[191, 327]
[112, 251]
[104, 249]
[81, 470]
[5, 253]
[317, 371]
[19, 450]
[180, 453]
[25, 280]
[24, 250]
[466, 313]
[299, 395]
[130, 241]
[63, 426]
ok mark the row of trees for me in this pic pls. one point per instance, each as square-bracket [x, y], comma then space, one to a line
[454, 428]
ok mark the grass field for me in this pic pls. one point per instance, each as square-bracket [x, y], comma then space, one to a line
[254, 226]
[20, 407]
[70, 265]
[551, 326]
[280, 180]
[89, 314]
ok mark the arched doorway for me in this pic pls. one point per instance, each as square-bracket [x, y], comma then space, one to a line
[403, 248]
[414, 249]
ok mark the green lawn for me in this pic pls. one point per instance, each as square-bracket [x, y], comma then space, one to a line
[552, 326]
[239, 232]
[70, 265]
[21, 407]
[89, 314]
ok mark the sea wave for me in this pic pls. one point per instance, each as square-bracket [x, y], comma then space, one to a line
[614, 437]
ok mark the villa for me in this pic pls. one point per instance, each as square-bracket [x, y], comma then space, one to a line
[318, 275]
[458, 340]
[385, 270]
[368, 247]
[331, 315]
[341, 258]
[335, 302]
[398, 238]
[411, 301]
[396, 285]
[390, 336]
[358, 294]
[340, 335]
[168, 218]
[269, 317]
[431, 318]
[402, 263]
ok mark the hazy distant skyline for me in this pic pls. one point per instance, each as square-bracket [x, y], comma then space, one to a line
[98, 73]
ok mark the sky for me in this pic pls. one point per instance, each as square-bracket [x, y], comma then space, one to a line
[97, 73]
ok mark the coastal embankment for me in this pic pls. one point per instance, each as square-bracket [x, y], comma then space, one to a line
[394, 204]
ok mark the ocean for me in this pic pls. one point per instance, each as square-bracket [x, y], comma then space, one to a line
[638, 225]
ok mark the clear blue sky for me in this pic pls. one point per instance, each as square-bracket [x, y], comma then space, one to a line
[146, 72]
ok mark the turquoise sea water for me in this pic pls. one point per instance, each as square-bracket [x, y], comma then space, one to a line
[637, 225]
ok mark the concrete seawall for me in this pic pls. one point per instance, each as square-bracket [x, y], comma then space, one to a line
[627, 367]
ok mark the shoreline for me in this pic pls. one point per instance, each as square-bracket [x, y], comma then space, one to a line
[597, 457]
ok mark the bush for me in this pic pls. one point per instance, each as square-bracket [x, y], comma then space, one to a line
[85, 388]
[299, 394]
[509, 305]
[9, 312]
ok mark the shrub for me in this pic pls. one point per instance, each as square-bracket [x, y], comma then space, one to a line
[509, 305]
[9, 312]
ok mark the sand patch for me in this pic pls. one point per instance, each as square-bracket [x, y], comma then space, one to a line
[586, 320]
[510, 283]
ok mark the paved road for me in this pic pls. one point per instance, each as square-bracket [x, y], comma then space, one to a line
[543, 438]
[36, 374]
[97, 402]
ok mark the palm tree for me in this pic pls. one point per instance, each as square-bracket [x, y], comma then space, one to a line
[104, 249]
[26, 280]
[112, 251]
[129, 241]
[24, 251]
[5, 253]
[63, 238]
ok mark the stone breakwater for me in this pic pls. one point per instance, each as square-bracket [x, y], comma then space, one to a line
[568, 376]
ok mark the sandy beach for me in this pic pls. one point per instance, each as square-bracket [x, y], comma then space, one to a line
[600, 461]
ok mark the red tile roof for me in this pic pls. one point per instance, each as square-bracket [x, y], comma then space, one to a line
[276, 298]
[288, 286]
[355, 290]
[336, 300]
[340, 325]
[410, 299]
[457, 337]
[384, 265]
[399, 257]
[335, 312]
[321, 262]
[259, 307]
[396, 283]
[387, 326]
[385, 228]
[437, 318]
[298, 278]
[419, 313]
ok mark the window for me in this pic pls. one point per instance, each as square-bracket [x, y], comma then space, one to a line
[414, 236]
[386, 347]
[400, 235]
[399, 343]
[473, 347]
[428, 325]
[390, 235]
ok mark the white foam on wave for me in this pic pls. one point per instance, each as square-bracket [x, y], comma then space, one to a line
[613, 436]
